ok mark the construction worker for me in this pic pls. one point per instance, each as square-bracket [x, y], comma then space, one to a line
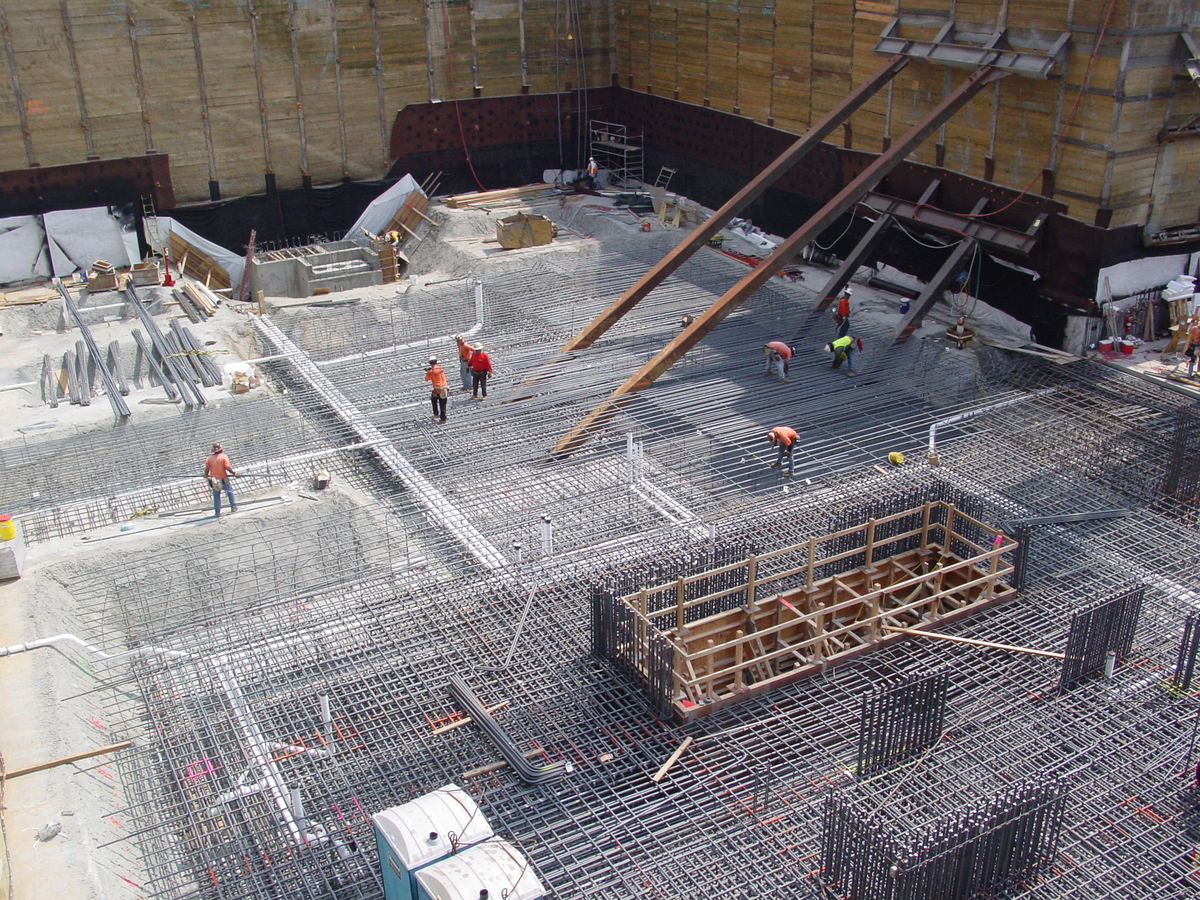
[1193, 345]
[778, 356]
[843, 351]
[481, 369]
[464, 355]
[436, 377]
[843, 305]
[218, 470]
[592, 171]
[785, 439]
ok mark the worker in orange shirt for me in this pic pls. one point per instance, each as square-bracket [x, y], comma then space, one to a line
[481, 370]
[785, 439]
[464, 355]
[778, 356]
[218, 470]
[436, 376]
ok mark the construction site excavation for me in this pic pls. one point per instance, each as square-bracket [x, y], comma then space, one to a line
[600, 450]
[651, 667]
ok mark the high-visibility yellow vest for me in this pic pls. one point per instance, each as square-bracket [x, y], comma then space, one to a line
[842, 343]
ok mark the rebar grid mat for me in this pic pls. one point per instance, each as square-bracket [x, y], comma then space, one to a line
[64, 485]
[374, 609]
[739, 812]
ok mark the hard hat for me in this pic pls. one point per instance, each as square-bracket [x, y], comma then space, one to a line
[829, 348]
[896, 458]
[217, 448]
[433, 360]
[772, 436]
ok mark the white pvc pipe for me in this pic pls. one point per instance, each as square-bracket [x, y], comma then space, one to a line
[258, 749]
[970, 414]
[95, 651]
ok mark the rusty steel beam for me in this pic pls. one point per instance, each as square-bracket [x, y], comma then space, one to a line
[783, 254]
[739, 201]
[985, 232]
[866, 247]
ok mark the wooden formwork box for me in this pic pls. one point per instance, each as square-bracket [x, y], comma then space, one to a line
[777, 638]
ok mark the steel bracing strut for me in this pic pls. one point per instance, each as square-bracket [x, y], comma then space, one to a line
[782, 254]
[739, 201]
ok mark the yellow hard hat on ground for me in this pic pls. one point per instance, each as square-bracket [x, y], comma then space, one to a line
[896, 458]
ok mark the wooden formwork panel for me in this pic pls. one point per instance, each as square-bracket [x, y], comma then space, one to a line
[757, 640]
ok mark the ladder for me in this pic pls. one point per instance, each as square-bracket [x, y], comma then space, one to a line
[154, 238]
[665, 175]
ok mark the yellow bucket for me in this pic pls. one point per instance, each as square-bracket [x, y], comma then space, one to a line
[8, 530]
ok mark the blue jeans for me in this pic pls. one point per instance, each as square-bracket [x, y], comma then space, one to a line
[786, 451]
[847, 355]
[464, 372]
[217, 497]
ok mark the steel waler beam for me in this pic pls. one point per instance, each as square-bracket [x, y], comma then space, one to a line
[739, 201]
[782, 255]
[939, 282]
[861, 254]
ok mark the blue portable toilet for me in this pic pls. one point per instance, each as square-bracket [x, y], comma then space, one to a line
[493, 870]
[418, 833]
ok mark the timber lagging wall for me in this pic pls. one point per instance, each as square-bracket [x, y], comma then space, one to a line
[787, 62]
[236, 89]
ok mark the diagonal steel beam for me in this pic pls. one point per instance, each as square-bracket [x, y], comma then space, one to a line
[939, 282]
[739, 201]
[760, 274]
[866, 247]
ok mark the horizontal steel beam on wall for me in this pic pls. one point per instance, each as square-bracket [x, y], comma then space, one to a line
[919, 214]
[958, 46]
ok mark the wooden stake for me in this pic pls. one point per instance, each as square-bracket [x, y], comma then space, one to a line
[975, 643]
[671, 760]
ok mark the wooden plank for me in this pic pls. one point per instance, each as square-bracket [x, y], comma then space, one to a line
[64, 760]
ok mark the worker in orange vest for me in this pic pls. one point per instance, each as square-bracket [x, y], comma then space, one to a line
[785, 439]
[464, 355]
[842, 315]
[436, 377]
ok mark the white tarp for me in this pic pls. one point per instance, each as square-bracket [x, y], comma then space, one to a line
[79, 237]
[1138, 275]
[380, 211]
[226, 259]
[22, 251]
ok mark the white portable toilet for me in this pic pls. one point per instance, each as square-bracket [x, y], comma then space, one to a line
[493, 870]
[417, 833]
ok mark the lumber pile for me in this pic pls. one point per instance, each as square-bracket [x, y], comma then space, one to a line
[485, 198]
[197, 264]
[410, 215]
[26, 296]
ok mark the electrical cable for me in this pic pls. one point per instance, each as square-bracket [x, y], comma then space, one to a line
[454, 96]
